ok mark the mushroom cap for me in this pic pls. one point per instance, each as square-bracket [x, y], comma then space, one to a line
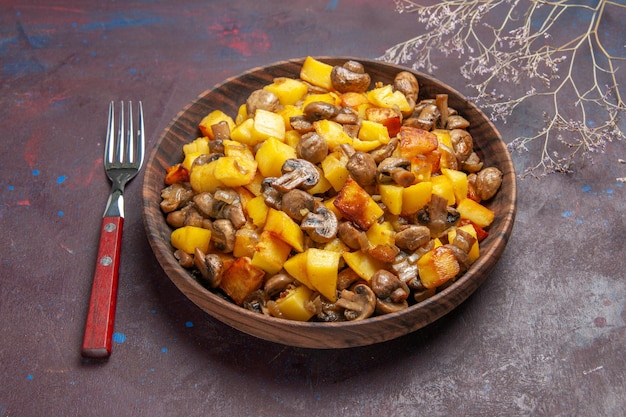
[211, 267]
[297, 204]
[262, 99]
[488, 182]
[346, 80]
[312, 147]
[362, 168]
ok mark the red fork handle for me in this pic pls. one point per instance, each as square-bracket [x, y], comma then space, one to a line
[101, 315]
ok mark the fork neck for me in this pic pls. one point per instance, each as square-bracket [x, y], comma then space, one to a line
[115, 204]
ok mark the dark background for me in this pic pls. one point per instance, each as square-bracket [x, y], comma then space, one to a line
[544, 336]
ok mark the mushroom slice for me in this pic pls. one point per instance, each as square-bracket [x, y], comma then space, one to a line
[386, 151]
[405, 268]
[223, 235]
[257, 302]
[301, 125]
[210, 266]
[277, 284]
[297, 204]
[437, 216]
[271, 196]
[175, 196]
[473, 163]
[412, 237]
[428, 117]
[359, 303]
[328, 312]
[221, 130]
[351, 236]
[346, 116]
[297, 173]
[321, 225]
[463, 240]
[396, 170]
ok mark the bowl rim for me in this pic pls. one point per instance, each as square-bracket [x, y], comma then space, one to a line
[467, 283]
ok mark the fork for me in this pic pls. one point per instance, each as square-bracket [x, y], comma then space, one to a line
[123, 158]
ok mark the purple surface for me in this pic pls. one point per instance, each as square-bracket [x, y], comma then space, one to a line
[544, 335]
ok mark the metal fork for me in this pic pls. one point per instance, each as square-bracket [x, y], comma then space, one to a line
[123, 158]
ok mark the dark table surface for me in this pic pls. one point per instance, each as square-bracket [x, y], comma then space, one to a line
[545, 335]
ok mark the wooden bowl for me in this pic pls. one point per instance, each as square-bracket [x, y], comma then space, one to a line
[227, 97]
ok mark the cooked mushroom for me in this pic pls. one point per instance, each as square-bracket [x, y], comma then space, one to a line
[211, 267]
[175, 196]
[441, 100]
[216, 146]
[327, 311]
[407, 84]
[231, 208]
[321, 225]
[257, 302]
[463, 240]
[352, 130]
[188, 216]
[223, 204]
[437, 216]
[184, 259]
[391, 292]
[223, 235]
[396, 170]
[457, 122]
[473, 163]
[359, 303]
[488, 182]
[271, 196]
[277, 284]
[428, 117]
[301, 124]
[351, 77]
[463, 144]
[405, 268]
[262, 99]
[386, 151]
[319, 110]
[412, 237]
[297, 204]
[312, 147]
[362, 168]
[345, 278]
[221, 130]
[297, 173]
[351, 236]
[346, 116]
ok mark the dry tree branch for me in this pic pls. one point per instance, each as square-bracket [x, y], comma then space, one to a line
[534, 45]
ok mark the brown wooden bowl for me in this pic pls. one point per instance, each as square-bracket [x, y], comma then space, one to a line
[227, 97]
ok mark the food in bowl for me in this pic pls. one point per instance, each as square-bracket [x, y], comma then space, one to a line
[326, 198]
